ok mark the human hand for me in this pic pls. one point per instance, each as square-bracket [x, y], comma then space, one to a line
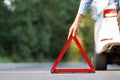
[73, 31]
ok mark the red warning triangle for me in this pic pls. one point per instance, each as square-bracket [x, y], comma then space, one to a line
[54, 70]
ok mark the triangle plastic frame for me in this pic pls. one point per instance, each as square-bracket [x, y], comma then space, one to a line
[54, 70]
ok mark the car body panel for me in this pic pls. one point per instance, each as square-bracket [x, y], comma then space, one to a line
[106, 30]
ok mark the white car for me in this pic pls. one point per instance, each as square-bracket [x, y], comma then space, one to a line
[106, 34]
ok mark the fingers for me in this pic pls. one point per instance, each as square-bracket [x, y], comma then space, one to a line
[73, 32]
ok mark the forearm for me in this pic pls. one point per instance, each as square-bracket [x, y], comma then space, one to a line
[78, 18]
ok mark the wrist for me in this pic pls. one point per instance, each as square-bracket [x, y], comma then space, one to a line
[78, 18]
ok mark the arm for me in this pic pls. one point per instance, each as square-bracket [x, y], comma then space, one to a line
[74, 28]
[84, 5]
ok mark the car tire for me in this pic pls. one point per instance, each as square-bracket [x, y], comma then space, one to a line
[100, 61]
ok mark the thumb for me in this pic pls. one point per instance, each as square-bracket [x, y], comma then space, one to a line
[70, 33]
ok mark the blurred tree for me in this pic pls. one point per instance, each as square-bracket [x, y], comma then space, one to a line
[36, 30]
[40, 27]
[31, 29]
[6, 39]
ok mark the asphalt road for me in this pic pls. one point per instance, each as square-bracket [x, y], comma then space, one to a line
[41, 71]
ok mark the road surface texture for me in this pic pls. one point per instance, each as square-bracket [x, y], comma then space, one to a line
[41, 71]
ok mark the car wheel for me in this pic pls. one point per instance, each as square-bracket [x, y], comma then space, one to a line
[100, 61]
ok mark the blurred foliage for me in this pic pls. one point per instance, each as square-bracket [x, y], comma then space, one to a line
[36, 30]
